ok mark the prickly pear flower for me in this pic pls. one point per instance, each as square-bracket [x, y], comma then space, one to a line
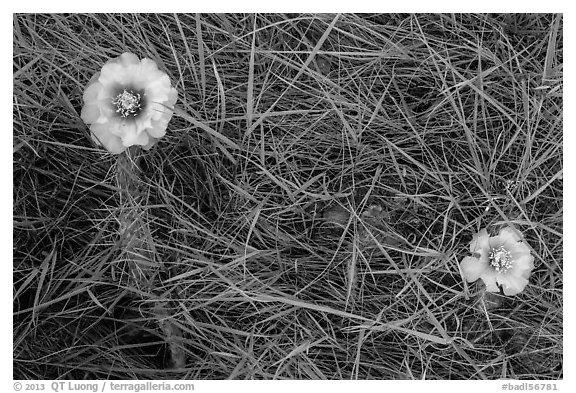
[499, 260]
[129, 102]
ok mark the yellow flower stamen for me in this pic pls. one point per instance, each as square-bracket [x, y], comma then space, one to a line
[500, 259]
[127, 103]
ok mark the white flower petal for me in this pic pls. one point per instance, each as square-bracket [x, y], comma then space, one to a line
[155, 111]
[158, 89]
[92, 91]
[114, 126]
[489, 278]
[510, 234]
[93, 80]
[522, 267]
[158, 128]
[102, 136]
[172, 98]
[511, 285]
[143, 122]
[472, 268]
[508, 237]
[148, 66]
[112, 74]
[480, 243]
[132, 136]
[519, 250]
[90, 113]
[151, 142]
[125, 59]
[119, 68]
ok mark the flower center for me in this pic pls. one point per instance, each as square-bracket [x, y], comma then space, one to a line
[127, 103]
[501, 259]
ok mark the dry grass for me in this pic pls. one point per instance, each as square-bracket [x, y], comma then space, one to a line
[288, 128]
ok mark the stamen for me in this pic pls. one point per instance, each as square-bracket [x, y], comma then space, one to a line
[127, 103]
[500, 259]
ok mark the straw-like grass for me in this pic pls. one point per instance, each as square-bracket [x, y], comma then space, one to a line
[288, 128]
